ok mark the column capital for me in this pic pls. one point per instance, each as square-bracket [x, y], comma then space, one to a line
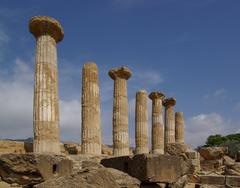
[156, 95]
[169, 102]
[45, 25]
[120, 72]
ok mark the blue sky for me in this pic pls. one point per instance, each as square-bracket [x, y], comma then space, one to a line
[188, 49]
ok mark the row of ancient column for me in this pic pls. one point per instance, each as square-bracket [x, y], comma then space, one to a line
[172, 132]
[48, 32]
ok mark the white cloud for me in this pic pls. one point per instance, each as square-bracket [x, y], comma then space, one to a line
[16, 99]
[146, 79]
[217, 94]
[70, 118]
[199, 127]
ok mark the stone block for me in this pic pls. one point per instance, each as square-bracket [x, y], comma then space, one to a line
[192, 155]
[212, 180]
[233, 181]
[151, 168]
[213, 153]
[30, 169]
[210, 165]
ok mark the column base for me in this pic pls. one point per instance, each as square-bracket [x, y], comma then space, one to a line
[141, 150]
[46, 146]
[121, 152]
[158, 151]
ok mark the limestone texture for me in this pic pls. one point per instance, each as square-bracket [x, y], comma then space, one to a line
[212, 153]
[93, 178]
[141, 123]
[120, 110]
[91, 130]
[31, 169]
[151, 167]
[157, 123]
[179, 127]
[48, 33]
[169, 120]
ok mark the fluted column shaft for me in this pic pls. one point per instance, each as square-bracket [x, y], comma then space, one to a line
[46, 105]
[120, 118]
[179, 127]
[169, 121]
[91, 132]
[157, 123]
[46, 102]
[120, 110]
[141, 123]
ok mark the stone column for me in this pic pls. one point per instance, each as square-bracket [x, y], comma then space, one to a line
[179, 127]
[157, 123]
[48, 32]
[91, 132]
[141, 123]
[169, 120]
[120, 110]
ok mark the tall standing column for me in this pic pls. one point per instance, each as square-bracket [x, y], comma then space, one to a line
[91, 132]
[169, 120]
[141, 122]
[48, 32]
[179, 127]
[157, 123]
[120, 110]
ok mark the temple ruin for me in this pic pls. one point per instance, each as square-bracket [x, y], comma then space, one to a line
[170, 163]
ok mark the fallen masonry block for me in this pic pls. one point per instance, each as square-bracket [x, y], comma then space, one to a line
[212, 180]
[151, 167]
[31, 169]
[233, 181]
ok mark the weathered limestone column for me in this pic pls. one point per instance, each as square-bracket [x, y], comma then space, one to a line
[157, 123]
[120, 110]
[141, 123]
[91, 131]
[48, 32]
[179, 127]
[169, 120]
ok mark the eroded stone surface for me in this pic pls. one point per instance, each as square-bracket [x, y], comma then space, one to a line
[151, 168]
[141, 123]
[157, 123]
[30, 169]
[179, 127]
[120, 111]
[91, 131]
[46, 101]
[45, 25]
[212, 153]
[93, 178]
[169, 135]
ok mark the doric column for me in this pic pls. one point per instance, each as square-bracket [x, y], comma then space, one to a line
[157, 123]
[120, 110]
[48, 32]
[91, 131]
[141, 123]
[179, 127]
[169, 120]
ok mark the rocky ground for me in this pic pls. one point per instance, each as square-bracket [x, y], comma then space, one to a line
[180, 167]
